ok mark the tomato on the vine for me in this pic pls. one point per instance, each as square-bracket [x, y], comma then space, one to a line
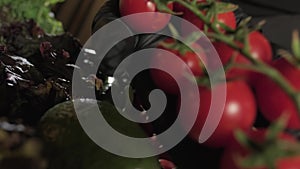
[167, 83]
[273, 102]
[148, 22]
[239, 113]
[260, 49]
[181, 9]
[235, 152]
[227, 18]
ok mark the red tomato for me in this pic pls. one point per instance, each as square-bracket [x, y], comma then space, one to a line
[260, 49]
[163, 80]
[273, 102]
[289, 163]
[147, 23]
[179, 8]
[239, 112]
[235, 150]
[166, 164]
[227, 18]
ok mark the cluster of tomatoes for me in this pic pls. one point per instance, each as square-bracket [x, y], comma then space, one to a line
[248, 92]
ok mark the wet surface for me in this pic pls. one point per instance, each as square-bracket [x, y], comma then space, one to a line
[35, 71]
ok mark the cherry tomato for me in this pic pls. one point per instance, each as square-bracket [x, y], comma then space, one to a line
[179, 8]
[273, 102]
[227, 18]
[166, 164]
[163, 80]
[236, 150]
[260, 49]
[239, 112]
[146, 23]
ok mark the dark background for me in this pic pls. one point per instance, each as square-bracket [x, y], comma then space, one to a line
[282, 17]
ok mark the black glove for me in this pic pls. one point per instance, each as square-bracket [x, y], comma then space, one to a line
[109, 12]
[144, 85]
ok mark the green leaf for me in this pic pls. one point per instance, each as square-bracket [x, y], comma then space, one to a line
[173, 45]
[38, 10]
[173, 30]
[223, 7]
[276, 128]
[252, 161]
[53, 2]
[241, 137]
[162, 5]
[194, 2]
[245, 22]
[296, 44]
[192, 38]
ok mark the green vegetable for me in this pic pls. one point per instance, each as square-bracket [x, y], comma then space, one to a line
[38, 10]
[69, 147]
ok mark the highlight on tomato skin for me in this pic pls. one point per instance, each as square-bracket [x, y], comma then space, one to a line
[241, 105]
[150, 20]
[239, 113]
[166, 164]
[226, 18]
[260, 49]
[37, 64]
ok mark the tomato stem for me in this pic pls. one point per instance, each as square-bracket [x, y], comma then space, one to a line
[260, 66]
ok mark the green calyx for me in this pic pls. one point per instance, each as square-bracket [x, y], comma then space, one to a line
[271, 149]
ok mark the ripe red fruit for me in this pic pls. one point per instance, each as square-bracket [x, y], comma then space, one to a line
[227, 18]
[147, 22]
[179, 8]
[260, 49]
[273, 102]
[239, 113]
[166, 164]
[163, 80]
[289, 162]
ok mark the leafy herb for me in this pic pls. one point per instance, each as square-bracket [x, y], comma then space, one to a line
[38, 10]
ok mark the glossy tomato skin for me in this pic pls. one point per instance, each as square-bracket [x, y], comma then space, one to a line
[235, 150]
[149, 22]
[260, 49]
[273, 102]
[163, 80]
[166, 164]
[239, 113]
[227, 18]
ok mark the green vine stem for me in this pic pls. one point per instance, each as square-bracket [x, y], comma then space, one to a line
[259, 66]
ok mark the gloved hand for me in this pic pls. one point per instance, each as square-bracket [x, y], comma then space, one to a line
[109, 12]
